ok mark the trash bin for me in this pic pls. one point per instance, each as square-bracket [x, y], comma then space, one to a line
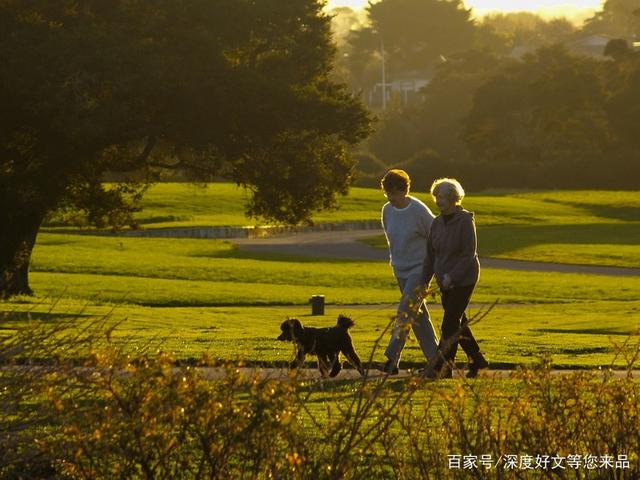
[317, 304]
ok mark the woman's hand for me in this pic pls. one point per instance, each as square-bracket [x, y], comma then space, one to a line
[447, 284]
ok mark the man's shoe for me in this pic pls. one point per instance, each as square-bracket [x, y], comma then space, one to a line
[478, 363]
[388, 368]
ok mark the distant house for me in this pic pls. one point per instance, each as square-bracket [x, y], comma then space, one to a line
[590, 45]
[404, 87]
[520, 51]
[593, 45]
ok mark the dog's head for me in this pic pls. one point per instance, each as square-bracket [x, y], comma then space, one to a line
[291, 330]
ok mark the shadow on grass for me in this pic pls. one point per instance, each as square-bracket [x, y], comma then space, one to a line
[504, 238]
[499, 239]
[265, 256]
[582, 350]
[44, 317]
[585, 331]
[210, 304]
[622, 212]
[349, 386]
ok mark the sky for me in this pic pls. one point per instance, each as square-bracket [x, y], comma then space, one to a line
[480, 7]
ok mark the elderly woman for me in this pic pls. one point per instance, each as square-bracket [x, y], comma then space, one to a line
[453, 259]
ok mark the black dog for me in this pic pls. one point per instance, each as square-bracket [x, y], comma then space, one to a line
[326, 343]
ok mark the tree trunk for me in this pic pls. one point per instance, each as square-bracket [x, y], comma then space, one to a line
[16, 244]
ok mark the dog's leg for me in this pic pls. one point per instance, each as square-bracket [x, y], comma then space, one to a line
[299, 360]
[336, 365]
[353, 357]
[323, 365]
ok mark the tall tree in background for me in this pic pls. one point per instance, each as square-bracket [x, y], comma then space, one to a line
[526, 29]
[413, 33]
[344, 21]
[435, 123]
[618, 19]
[623, 110]
[215, 87]
[449, 99]
[542, 122]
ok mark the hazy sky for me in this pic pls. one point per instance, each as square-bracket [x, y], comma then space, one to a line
[550, 7]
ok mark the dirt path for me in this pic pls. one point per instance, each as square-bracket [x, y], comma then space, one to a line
[345, 245]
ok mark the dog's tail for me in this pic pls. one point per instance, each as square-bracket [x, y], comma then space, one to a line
[345, 322]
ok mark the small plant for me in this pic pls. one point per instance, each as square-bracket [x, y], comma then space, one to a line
[76, 407]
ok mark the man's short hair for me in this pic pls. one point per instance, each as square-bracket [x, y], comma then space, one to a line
[396, 180]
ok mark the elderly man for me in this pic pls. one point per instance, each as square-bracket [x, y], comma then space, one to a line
[406, 222]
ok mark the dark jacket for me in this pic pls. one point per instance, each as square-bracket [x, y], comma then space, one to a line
[452, 249]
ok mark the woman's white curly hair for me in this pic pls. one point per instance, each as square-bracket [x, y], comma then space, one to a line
[449, 187]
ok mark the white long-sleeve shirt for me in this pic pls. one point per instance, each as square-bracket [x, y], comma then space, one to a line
[407, 230]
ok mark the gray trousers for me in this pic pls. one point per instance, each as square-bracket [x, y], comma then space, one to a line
[412, 315]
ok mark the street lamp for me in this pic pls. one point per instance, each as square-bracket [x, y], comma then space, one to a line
[384, 77]
[384, 74]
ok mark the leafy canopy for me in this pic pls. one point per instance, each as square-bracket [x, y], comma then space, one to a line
[227, 88]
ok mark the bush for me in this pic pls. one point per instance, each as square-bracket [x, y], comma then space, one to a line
[369, 170]
[426, 166]
[112, 415]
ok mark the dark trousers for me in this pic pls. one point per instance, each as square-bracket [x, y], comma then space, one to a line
[454, 324]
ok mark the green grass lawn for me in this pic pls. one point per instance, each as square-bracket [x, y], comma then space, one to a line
[186, 272]
[578, 227]
[172, 204]
[206, 296]
[215, 204]
[574, 335]
[583, 228]
[615, 244]
[197, 296]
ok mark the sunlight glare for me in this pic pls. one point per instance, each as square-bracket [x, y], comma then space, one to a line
[544, 7]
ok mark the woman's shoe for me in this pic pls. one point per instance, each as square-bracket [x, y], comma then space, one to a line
[478, 362]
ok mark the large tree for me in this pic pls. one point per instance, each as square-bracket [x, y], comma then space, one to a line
[542, 122]
[412, 33]
[526, 29]
[232, 88]
[618, 18]
[435, 124]
[623, 111]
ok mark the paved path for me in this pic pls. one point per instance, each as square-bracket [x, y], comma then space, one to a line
[312, 374]
[345, 244]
